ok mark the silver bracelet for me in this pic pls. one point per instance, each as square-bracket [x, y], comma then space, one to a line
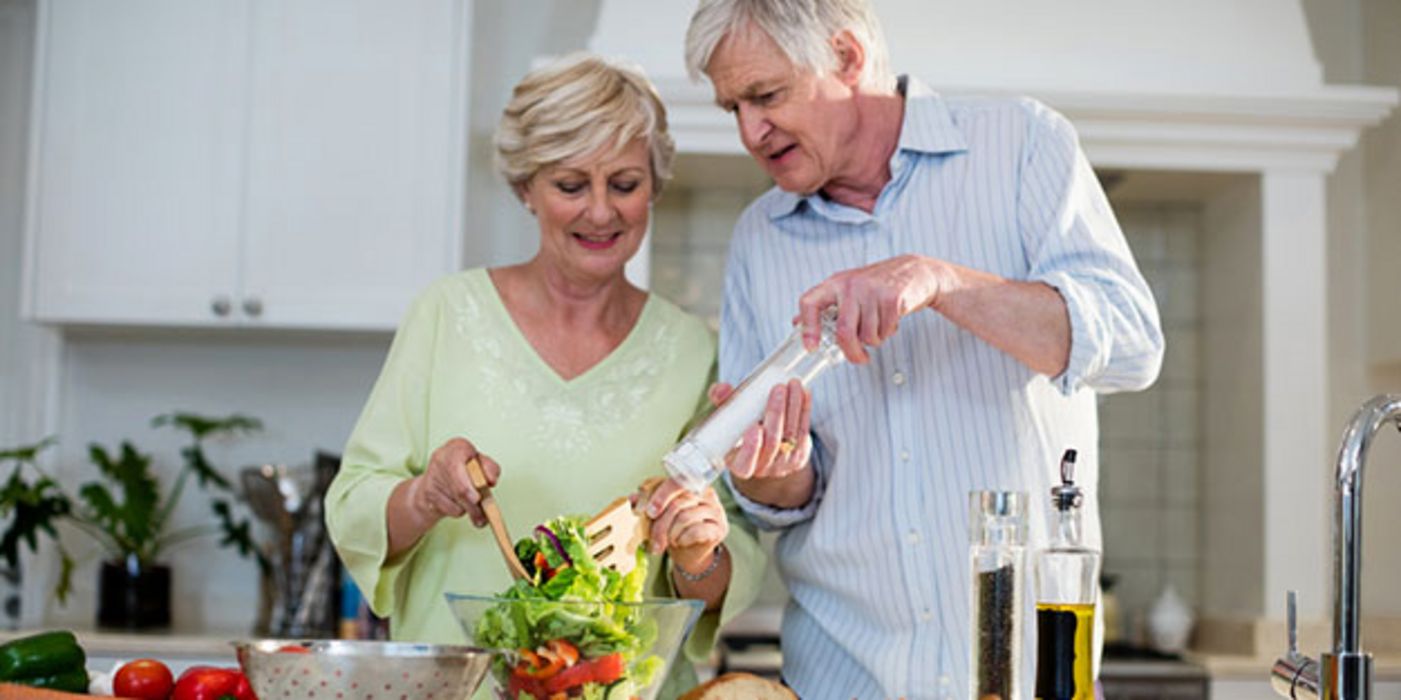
[714, 564]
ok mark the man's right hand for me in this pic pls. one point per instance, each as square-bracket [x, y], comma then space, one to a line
[770, 465]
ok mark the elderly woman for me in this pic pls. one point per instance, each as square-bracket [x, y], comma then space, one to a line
[564, 379]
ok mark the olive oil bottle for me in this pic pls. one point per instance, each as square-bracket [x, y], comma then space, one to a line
[1067, 583]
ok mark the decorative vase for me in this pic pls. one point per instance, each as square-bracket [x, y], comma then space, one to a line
[133, 595]
[1170, 622]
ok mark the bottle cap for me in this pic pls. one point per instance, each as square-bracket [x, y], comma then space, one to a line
[998, 517]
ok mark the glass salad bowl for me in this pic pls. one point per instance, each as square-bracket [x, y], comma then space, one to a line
[582, 649]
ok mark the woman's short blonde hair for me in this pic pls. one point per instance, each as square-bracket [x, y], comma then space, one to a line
[575, 107]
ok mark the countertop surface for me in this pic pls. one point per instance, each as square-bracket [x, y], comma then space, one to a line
[163, 644]
[217, 644]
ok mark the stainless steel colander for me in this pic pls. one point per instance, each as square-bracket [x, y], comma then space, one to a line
[279, 669]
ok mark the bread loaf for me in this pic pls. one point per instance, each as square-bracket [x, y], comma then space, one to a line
[739, 686]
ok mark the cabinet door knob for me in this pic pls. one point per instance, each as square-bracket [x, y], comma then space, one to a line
[253, 306]
[220, 306]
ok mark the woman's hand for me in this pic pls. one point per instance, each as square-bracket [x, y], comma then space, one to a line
[770, 465]
[687, 526]
[444, 490]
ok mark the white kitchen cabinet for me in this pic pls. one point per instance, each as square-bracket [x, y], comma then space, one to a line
[245, 162]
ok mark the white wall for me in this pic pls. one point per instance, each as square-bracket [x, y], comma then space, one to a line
[507, 38]
[307, 390]
[1233, 383]
[16, 35]
[1360, 41]
[1381, 20]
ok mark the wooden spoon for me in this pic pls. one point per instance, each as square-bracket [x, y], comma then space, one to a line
[493, 516]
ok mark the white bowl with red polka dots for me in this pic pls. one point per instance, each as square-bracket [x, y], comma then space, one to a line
[280, 669]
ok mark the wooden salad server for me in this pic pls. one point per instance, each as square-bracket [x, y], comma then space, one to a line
[493, 516]
[619, 529]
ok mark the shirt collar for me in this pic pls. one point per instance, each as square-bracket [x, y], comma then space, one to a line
[926, 127]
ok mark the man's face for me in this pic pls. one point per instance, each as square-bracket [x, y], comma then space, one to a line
[793, 122]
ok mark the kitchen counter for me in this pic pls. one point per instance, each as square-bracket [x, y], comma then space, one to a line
[179, 650]
[1384, 667]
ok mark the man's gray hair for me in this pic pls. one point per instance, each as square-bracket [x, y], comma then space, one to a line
[803, 30]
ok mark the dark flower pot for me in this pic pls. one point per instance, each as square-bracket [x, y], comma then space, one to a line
[133, 596]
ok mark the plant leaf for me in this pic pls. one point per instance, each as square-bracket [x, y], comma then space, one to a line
[132, 521]
[27, 453]
[239, 533]
[200, 427]
[205, 473]
[31, 507]
[65, 576]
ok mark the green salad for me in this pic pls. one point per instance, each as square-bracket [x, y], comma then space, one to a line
[575, 625]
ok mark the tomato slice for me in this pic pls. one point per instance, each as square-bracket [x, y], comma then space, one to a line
[517, 684]
[602, 670]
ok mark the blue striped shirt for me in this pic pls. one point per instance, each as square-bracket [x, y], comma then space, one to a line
[877, 563]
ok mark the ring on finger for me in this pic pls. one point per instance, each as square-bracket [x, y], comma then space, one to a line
[786, 446]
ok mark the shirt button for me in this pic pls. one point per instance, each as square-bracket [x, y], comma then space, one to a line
[912, 537]
[926, 615]
[904, 455]
[897, 378]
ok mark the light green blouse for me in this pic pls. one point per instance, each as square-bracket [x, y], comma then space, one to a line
[459, 366]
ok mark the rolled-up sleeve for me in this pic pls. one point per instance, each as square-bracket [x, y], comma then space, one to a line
[386, 447]
[1075, 245]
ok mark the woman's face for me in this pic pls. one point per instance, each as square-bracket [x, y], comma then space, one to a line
[593, 210]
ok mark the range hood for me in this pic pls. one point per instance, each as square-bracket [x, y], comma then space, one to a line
[1228, 92]
[1148, 84]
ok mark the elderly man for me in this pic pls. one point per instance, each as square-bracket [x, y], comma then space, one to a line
[974, 227]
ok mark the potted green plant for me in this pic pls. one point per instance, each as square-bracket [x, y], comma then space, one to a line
[127, 513]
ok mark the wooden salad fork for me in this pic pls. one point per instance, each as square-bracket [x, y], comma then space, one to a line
[619, 529]
[493, 516]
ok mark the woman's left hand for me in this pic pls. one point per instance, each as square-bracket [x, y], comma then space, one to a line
[687, 526]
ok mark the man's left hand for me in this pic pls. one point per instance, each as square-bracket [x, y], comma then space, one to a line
[871, 300]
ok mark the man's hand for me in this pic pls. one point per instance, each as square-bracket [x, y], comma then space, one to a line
[870, 301]
[770, 465]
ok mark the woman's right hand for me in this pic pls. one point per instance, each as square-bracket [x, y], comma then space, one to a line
[444, 490]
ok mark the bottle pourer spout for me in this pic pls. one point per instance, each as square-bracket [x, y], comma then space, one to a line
[1067, 495]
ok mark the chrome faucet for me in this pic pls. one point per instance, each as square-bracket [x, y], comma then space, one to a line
[1346, 672]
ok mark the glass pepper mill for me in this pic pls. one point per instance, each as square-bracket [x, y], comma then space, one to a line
[700, 456]
[1067, 584]
[997, 552]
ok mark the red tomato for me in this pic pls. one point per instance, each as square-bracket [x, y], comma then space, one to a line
[603, 670]
[518, 684]
[209, 683]
[147, 679]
